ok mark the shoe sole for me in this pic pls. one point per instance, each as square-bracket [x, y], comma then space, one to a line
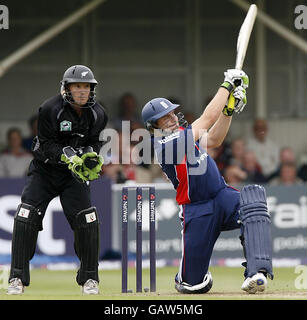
[14, 293]
[254, 286]
[90, 293]
[183, 290]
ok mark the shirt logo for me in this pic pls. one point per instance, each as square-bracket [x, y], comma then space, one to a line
[65, 126]
[24, 213]
[83, 74]
[90, 217]
[173, 136]
[203, 156]
[164, 105]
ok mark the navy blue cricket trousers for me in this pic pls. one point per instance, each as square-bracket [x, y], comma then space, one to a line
[202, 224]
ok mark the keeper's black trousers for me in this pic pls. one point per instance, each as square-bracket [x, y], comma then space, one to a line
[44, 183]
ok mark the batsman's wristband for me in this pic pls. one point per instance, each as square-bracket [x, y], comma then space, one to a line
[228, 86]
[227, 112]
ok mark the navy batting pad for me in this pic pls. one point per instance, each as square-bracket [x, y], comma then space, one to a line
[256, 223]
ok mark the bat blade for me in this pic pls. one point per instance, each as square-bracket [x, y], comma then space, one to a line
[242, 44]
[244, 35]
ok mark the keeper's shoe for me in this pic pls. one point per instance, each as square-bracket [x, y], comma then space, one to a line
[257, 283]
[15, 287]
[90, 287]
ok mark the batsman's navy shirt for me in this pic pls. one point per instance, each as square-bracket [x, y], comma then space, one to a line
[193, 173]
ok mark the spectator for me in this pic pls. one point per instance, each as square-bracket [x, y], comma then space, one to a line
[27, 142]
[233, 174]
[139, 173]
[14, 160]
[220, 155]
[112, 167]
[127, 112]
[157, 174]
[252, 168]
[237, 152]
[288, 175]
[120, 173]
[266, 151]
[122, 165]
[114, 171]
[286, 155]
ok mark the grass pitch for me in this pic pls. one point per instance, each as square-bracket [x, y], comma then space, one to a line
[61, 285]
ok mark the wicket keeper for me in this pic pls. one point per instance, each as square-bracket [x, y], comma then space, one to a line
[66, 158]
[207, 204]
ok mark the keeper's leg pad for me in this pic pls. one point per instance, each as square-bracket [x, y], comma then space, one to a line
[86, 232]
[256, 223]
[27, 224]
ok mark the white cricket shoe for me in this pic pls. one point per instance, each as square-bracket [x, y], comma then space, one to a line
[257, 282]
[90, 287]
[15, 287]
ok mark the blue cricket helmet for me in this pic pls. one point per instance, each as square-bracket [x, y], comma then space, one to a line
[156, 109]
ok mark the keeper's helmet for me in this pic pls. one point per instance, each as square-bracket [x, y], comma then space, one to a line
[156, 109]
[74, 74]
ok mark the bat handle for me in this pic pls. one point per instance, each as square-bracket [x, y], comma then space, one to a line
[232, 100]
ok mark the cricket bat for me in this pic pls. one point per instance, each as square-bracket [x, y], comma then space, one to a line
[242, 43]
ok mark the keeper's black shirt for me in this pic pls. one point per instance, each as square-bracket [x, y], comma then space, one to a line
[59, 125]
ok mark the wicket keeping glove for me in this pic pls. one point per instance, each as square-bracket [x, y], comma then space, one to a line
[239, 95]
[234, 78]
[75, 164]
[92, 164]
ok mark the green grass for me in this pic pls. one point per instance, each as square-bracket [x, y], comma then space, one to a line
[57, 285]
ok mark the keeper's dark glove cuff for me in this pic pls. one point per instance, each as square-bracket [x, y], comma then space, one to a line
[69, 152]
[85, 150]
[227, 85]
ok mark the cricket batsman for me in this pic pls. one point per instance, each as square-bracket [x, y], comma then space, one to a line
[66, 158]
[207, 204]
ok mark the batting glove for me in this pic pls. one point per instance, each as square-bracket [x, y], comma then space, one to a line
[234, 78]
[239, 95]
[240, 99]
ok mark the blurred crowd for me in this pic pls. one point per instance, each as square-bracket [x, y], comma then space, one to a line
[255, 160]
[16, 155]
[259, 160]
